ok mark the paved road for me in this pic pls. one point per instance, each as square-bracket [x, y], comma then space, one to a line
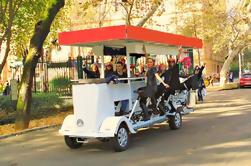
[218, 133]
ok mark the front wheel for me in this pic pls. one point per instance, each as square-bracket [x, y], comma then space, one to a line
[175, 121]
[71, 142]
[121, 140]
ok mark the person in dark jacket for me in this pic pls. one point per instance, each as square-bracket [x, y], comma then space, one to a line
[151, 88]
[171, 77]
[94, 73]
[121, 74]
[109, 70]
[198, 73]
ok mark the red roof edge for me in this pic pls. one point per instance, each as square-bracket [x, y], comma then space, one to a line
[92, 35]
[123, 32]
[162, 37]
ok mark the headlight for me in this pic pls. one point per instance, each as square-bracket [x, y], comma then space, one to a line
[80, 123]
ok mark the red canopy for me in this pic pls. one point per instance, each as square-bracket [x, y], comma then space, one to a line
[125, 34]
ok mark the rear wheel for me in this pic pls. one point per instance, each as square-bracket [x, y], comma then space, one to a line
[71, 142]
[121, 140]
[175, 121]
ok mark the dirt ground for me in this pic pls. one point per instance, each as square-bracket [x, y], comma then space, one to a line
[54, 119]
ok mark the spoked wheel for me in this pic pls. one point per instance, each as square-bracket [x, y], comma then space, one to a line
[121, 139]
[175, 121]
[71, 142]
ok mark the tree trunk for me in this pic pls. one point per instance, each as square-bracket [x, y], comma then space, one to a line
[8, 34]
[234, 53]
[150, 13]
[226, 65]
[25, 91]
[7, 50]
[42, 29]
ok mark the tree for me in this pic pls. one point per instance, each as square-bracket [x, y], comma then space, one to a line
[134, 12]
[8, 11]
[222, 31]
[241, 40]
[42, 29]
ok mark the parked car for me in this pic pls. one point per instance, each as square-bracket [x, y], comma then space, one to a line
[245, 80]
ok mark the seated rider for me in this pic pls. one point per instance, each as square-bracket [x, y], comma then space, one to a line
[93, 73]
[150, 89]
[171, 77]
[121, 74]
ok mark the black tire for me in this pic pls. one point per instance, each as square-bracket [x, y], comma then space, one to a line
[175, 121]
[71, 142]
[119, 143]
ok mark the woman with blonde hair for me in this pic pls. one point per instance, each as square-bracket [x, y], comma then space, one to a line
[94, 72]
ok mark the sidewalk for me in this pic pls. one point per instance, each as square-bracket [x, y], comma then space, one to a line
[217, 87]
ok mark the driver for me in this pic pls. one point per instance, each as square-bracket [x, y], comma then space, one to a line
[151, 87]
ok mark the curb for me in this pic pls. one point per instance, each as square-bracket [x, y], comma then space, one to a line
[213, 89]
[27, 131]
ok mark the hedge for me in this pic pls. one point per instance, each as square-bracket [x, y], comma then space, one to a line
[42, 105]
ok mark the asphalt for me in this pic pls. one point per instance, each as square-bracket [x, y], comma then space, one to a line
[218, 133]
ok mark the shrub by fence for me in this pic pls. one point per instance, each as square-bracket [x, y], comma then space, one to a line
[60, 85]
[43, 104]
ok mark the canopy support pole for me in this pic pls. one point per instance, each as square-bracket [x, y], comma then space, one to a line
[102, 63]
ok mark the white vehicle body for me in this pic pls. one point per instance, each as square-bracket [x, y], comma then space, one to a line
[93, 103]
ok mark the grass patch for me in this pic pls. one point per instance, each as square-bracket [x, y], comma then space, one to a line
[42, 105]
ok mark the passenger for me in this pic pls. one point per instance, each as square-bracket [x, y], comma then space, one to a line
[150, 89]
[109, 70]
[120, 74]
[161, 68]
[141, 71]
[119, 71]
[94, 73]
[123, 61]
[171, 77]
[132, 70]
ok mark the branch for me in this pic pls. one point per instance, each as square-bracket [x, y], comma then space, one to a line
[3, 13]
[130, 12]
[103, 15]
[124, 7]
[150, 13]
[42, 28]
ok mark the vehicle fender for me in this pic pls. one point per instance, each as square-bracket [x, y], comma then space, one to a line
[111, 124]
[68, 125]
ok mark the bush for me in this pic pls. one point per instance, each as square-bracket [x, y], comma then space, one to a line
[6, 105]
[60, 85]
[45, 101]
[43, 104]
